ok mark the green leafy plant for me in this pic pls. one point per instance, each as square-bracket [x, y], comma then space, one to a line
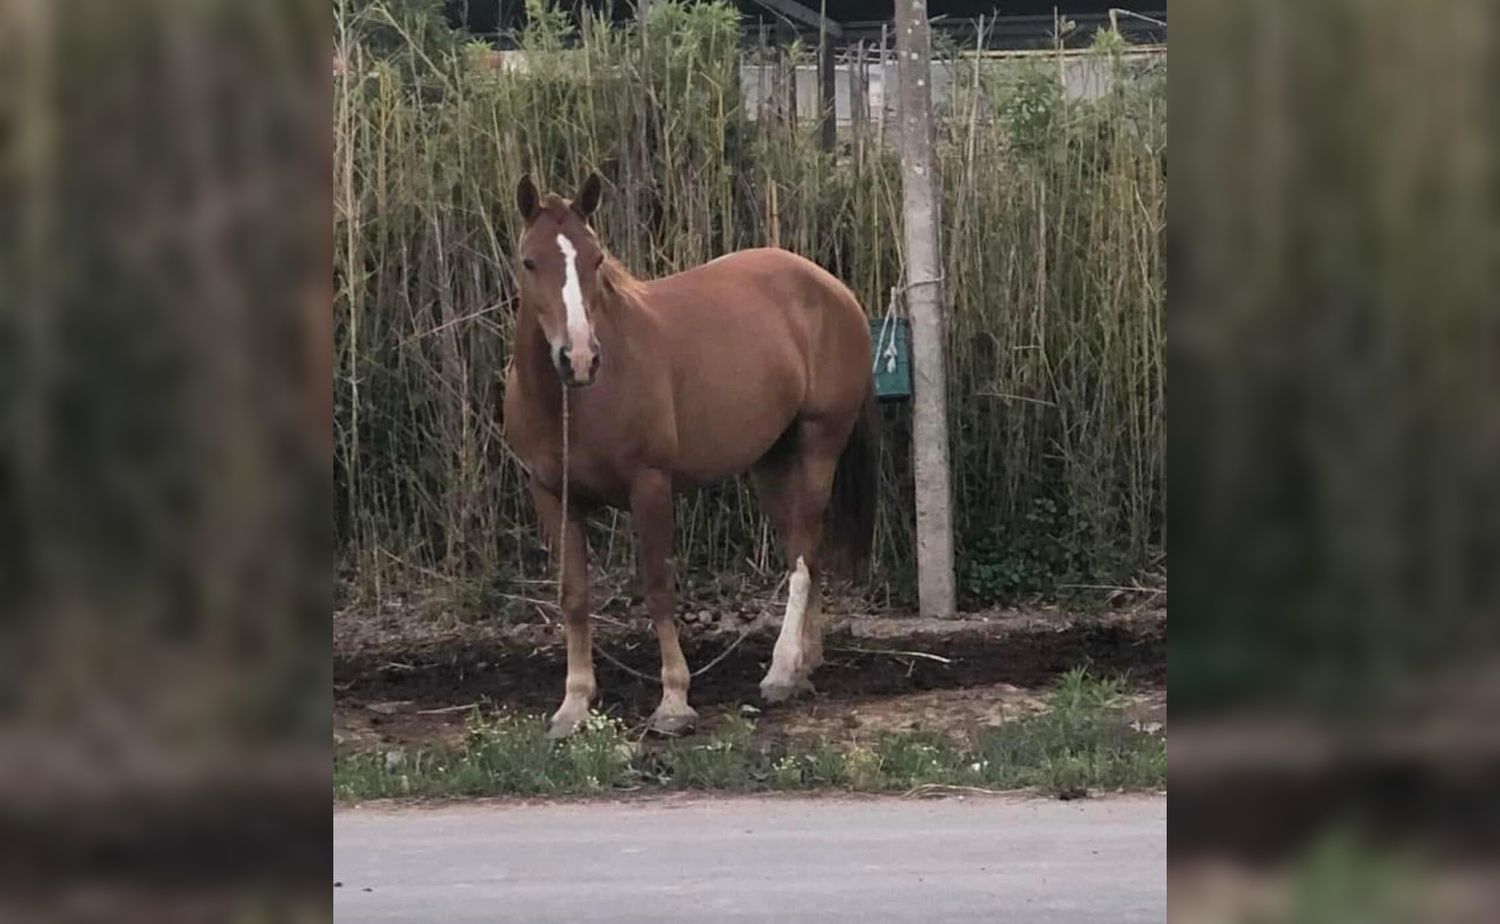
[1082, 742]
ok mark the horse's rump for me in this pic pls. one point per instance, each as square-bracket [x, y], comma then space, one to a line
[756, 340]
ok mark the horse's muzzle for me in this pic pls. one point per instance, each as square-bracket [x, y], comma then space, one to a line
[577, 367]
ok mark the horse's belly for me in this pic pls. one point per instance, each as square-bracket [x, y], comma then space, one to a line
[721, 438]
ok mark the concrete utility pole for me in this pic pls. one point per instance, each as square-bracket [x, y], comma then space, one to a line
[924, 299]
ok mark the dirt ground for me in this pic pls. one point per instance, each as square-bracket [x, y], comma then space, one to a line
[415, 685]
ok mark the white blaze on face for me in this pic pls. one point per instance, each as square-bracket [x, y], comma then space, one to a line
[572, 293]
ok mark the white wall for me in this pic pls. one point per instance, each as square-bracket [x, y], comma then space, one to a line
[1085, 77]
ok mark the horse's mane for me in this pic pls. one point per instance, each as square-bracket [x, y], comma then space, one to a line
[618, 281]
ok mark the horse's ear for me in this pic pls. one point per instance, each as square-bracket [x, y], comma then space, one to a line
[588, 196]
[527, 197]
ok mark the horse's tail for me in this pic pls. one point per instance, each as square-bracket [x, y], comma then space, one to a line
[849, 532]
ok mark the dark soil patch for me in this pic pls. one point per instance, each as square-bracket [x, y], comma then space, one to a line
[391, 692]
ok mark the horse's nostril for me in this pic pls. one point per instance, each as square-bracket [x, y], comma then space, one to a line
[594, 366]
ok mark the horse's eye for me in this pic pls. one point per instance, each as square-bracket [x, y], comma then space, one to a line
[529, 263]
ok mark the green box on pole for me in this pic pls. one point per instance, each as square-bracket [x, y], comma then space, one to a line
[890, 338]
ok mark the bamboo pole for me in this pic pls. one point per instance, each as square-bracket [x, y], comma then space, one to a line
[859, 105]
[826, 87]
[885, 88]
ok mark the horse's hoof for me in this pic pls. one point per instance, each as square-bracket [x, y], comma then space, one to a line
[562, 727]
[778, 692]
[673, 724]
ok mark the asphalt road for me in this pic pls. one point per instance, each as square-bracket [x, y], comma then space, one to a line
[756, 859]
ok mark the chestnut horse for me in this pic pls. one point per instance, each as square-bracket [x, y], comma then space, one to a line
[757, 361]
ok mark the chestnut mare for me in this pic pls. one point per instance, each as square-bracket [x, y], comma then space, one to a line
[757, 361]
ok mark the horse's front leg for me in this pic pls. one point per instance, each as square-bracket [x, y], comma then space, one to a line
[651, 509]
[574, 561]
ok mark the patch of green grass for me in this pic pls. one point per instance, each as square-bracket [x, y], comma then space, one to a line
[1084, 741]
[501, 754]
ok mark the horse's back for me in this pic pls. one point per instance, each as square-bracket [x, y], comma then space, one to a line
[764, 274]
[756, 339]
[764, 293]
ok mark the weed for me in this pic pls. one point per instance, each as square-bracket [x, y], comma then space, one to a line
[1082, 742]
[913, 759]
[1084, 739]
[725, 761]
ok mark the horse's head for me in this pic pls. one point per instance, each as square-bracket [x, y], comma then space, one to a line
[559, 275]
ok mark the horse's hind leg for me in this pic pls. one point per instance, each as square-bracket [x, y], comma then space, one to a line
[651, 509]
[794, 487]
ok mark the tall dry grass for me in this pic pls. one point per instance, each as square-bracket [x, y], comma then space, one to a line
[1053, 230]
